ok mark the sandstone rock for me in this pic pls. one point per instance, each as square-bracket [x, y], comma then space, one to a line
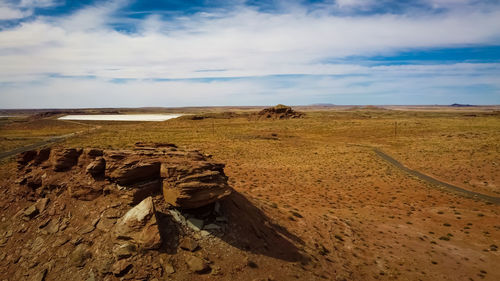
[196, 264]
[193, 185]
[25, 157]
[93, 152]
[42, 156]
[124, 251]
[42, 203]
[52, 227]
[33, 180]
[96, 168]
[105, 224]
[40, 276]
[79, 256]
[133, 170]
[189, 244]
[84, 192]
[121, 268]
[31, 211]
[278, 112]
[140, 226]
[64, 159]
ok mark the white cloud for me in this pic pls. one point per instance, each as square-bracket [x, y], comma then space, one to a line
[38, 3]
[10, 13]
[239, 44]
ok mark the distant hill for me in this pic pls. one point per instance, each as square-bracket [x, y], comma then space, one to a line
[461, 105]
[322, 104]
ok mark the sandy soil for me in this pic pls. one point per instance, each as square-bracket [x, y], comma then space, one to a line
[338, 211]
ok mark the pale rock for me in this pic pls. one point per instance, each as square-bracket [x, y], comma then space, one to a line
[140, 226]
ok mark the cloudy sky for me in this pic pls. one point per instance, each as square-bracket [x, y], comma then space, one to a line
[126, 53]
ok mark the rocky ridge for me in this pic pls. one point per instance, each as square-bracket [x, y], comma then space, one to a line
[100, 214]
[278, 112]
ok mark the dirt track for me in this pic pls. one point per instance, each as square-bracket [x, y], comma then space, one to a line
[453, 188]
[48, 141]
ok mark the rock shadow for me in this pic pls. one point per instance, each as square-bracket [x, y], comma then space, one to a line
[249, 229]
[169, 232]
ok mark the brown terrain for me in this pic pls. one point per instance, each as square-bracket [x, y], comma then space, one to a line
[259, 199]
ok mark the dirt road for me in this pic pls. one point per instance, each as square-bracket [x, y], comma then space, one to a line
[46, 142]
[453, 188]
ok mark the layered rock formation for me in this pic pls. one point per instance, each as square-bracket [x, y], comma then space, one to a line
[278, 112]
[189, 179]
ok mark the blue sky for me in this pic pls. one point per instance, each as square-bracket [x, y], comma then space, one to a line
[125, 53]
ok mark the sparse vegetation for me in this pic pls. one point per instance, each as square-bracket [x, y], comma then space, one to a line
[311, 177]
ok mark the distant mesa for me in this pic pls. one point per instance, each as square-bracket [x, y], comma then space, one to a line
[462, 105]
[278, 112]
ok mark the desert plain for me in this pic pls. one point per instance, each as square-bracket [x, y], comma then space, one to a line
[311, 199]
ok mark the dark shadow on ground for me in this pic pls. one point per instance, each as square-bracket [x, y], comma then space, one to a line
[249, 229]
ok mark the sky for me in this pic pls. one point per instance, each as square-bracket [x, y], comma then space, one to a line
[170, 53]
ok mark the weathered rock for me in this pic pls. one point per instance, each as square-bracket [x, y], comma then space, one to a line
[79, 256]
[42, 156]
[65, 159]
[31, 211]
[139, 225]
[93, 152]
[25, 157]
[133, 170]
[195, 224]
[194, 184]
[105, 224]
[168, 268]
[189, 244]
[33, 180]
[278, 112]
[196, 264]
[121, 268]
[52, 227]
[124, 251]
[84, 192]
[40, 276]
[42, 203]
[96, 168]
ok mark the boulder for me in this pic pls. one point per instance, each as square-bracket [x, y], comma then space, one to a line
[96, 167]
[24, 158]
[65, 159]
[133, 170]
[139, 225]
[194, 184]
[189, 244]
[196, 264]
[42, 156]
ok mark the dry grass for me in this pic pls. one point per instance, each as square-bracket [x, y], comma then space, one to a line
[374, 221]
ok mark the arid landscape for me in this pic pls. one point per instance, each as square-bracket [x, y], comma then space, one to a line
[247, 193]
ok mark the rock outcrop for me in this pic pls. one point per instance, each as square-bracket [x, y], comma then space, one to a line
[193, 185]
[188, 179]
[64, 159]
[278, 112]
